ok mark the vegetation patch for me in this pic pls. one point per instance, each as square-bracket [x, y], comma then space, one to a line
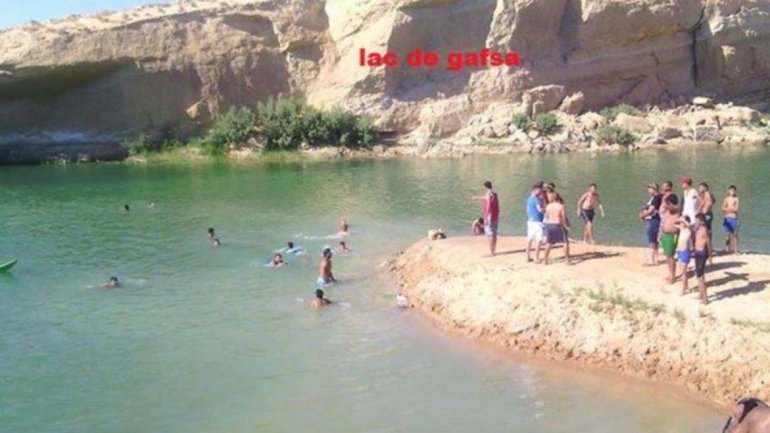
[612, 112]
[546, 123]
[522, 122]
[613, 134]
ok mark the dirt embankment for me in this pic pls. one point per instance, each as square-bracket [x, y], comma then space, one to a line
[605, 311]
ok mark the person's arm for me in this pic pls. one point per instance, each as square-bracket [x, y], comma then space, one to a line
[737, 205]
[580, 202]
[724, 205]
[601, 208]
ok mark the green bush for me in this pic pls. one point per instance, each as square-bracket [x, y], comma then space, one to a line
[612, 112]
[612, 134]
[233, 127]
[138, 145]
[286, 124]
[521, 121]
[546, 123]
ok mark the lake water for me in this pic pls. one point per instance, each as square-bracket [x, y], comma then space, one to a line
[205, 339]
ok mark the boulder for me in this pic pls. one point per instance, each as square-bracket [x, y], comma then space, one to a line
[573, 104]
[632, 123]
[592, 120]
[706, 134]
[543, 99]
[702, 101]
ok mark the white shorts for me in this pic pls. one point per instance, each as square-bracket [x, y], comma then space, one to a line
[534, 231]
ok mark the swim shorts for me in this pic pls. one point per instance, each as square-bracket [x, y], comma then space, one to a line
[668, 241]
[700, 263]
[320, 282]
[684, 256]
[534, 230]
[651, 227]
[587, 215]
[490, 228]
[709, 216]
[731, 225]
[554, 233]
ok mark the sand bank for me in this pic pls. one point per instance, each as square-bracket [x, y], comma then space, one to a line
[605, 311]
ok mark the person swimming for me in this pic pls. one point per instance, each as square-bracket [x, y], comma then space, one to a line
[213, 239]
[344, 248]
[277, 260]
[112, 283]
[126, 207]
[211, 233]
[344, 227]
[292, 249]
[152, 204]
[319, 301]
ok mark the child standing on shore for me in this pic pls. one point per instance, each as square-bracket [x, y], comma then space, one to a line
[730, 207]
[684, 251]
[702, 253]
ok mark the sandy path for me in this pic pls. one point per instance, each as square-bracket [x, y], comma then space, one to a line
[606, 310]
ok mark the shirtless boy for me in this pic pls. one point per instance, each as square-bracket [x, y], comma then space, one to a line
[701, 254]
[586, 210]
[325, 275]
[668, 231]
[731, 206]
[556, 226]
[319, 301]
[684, 251]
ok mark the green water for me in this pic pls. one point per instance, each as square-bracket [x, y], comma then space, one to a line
[205, 339]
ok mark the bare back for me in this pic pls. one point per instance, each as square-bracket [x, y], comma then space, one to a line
[554, 213]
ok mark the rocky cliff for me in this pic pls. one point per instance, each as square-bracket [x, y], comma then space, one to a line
[81, 84]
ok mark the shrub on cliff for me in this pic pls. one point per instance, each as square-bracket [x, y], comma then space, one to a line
[233, 127]
[521, 121]
[138, 145]
[286, 124]
[546, 123]
[612, 112]
[612, 134]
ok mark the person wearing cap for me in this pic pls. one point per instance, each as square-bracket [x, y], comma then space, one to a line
[690, 198]
[325, 275]
[650, 214]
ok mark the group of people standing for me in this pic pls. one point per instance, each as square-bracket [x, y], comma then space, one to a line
[682, 228]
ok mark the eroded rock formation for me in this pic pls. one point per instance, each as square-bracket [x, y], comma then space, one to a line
[95, 80]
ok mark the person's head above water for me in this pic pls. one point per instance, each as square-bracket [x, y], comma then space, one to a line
[126, 207]
[319, 294]
[290, 244]
[211, 231]
[488, 185]
[114, 280]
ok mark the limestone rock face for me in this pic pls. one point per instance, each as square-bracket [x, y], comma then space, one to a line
[85, 83]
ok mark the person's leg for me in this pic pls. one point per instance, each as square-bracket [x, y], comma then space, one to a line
[537, 249]
[492, 244]
[685, 278]
[547, 252]
[566, 250]
[529, 249]
[590, 229]
[737, 243]
[704, 298]
[671, 269]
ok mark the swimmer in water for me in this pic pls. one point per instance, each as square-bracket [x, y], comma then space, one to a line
[344, 248]
[211, 233]
[277, 261]
[320, 301]
[152, 204]
[213, 238]
[325, 275]
[126, 207]
[344, 227]
[112, 283]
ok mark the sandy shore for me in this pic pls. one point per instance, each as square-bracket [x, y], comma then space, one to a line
[605, 311]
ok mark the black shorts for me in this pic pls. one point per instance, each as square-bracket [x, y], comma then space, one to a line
[700, 263]
[554, 233]
[587, 215]
[709, 216]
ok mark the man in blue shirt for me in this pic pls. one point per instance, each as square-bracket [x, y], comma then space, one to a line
[535, 209]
